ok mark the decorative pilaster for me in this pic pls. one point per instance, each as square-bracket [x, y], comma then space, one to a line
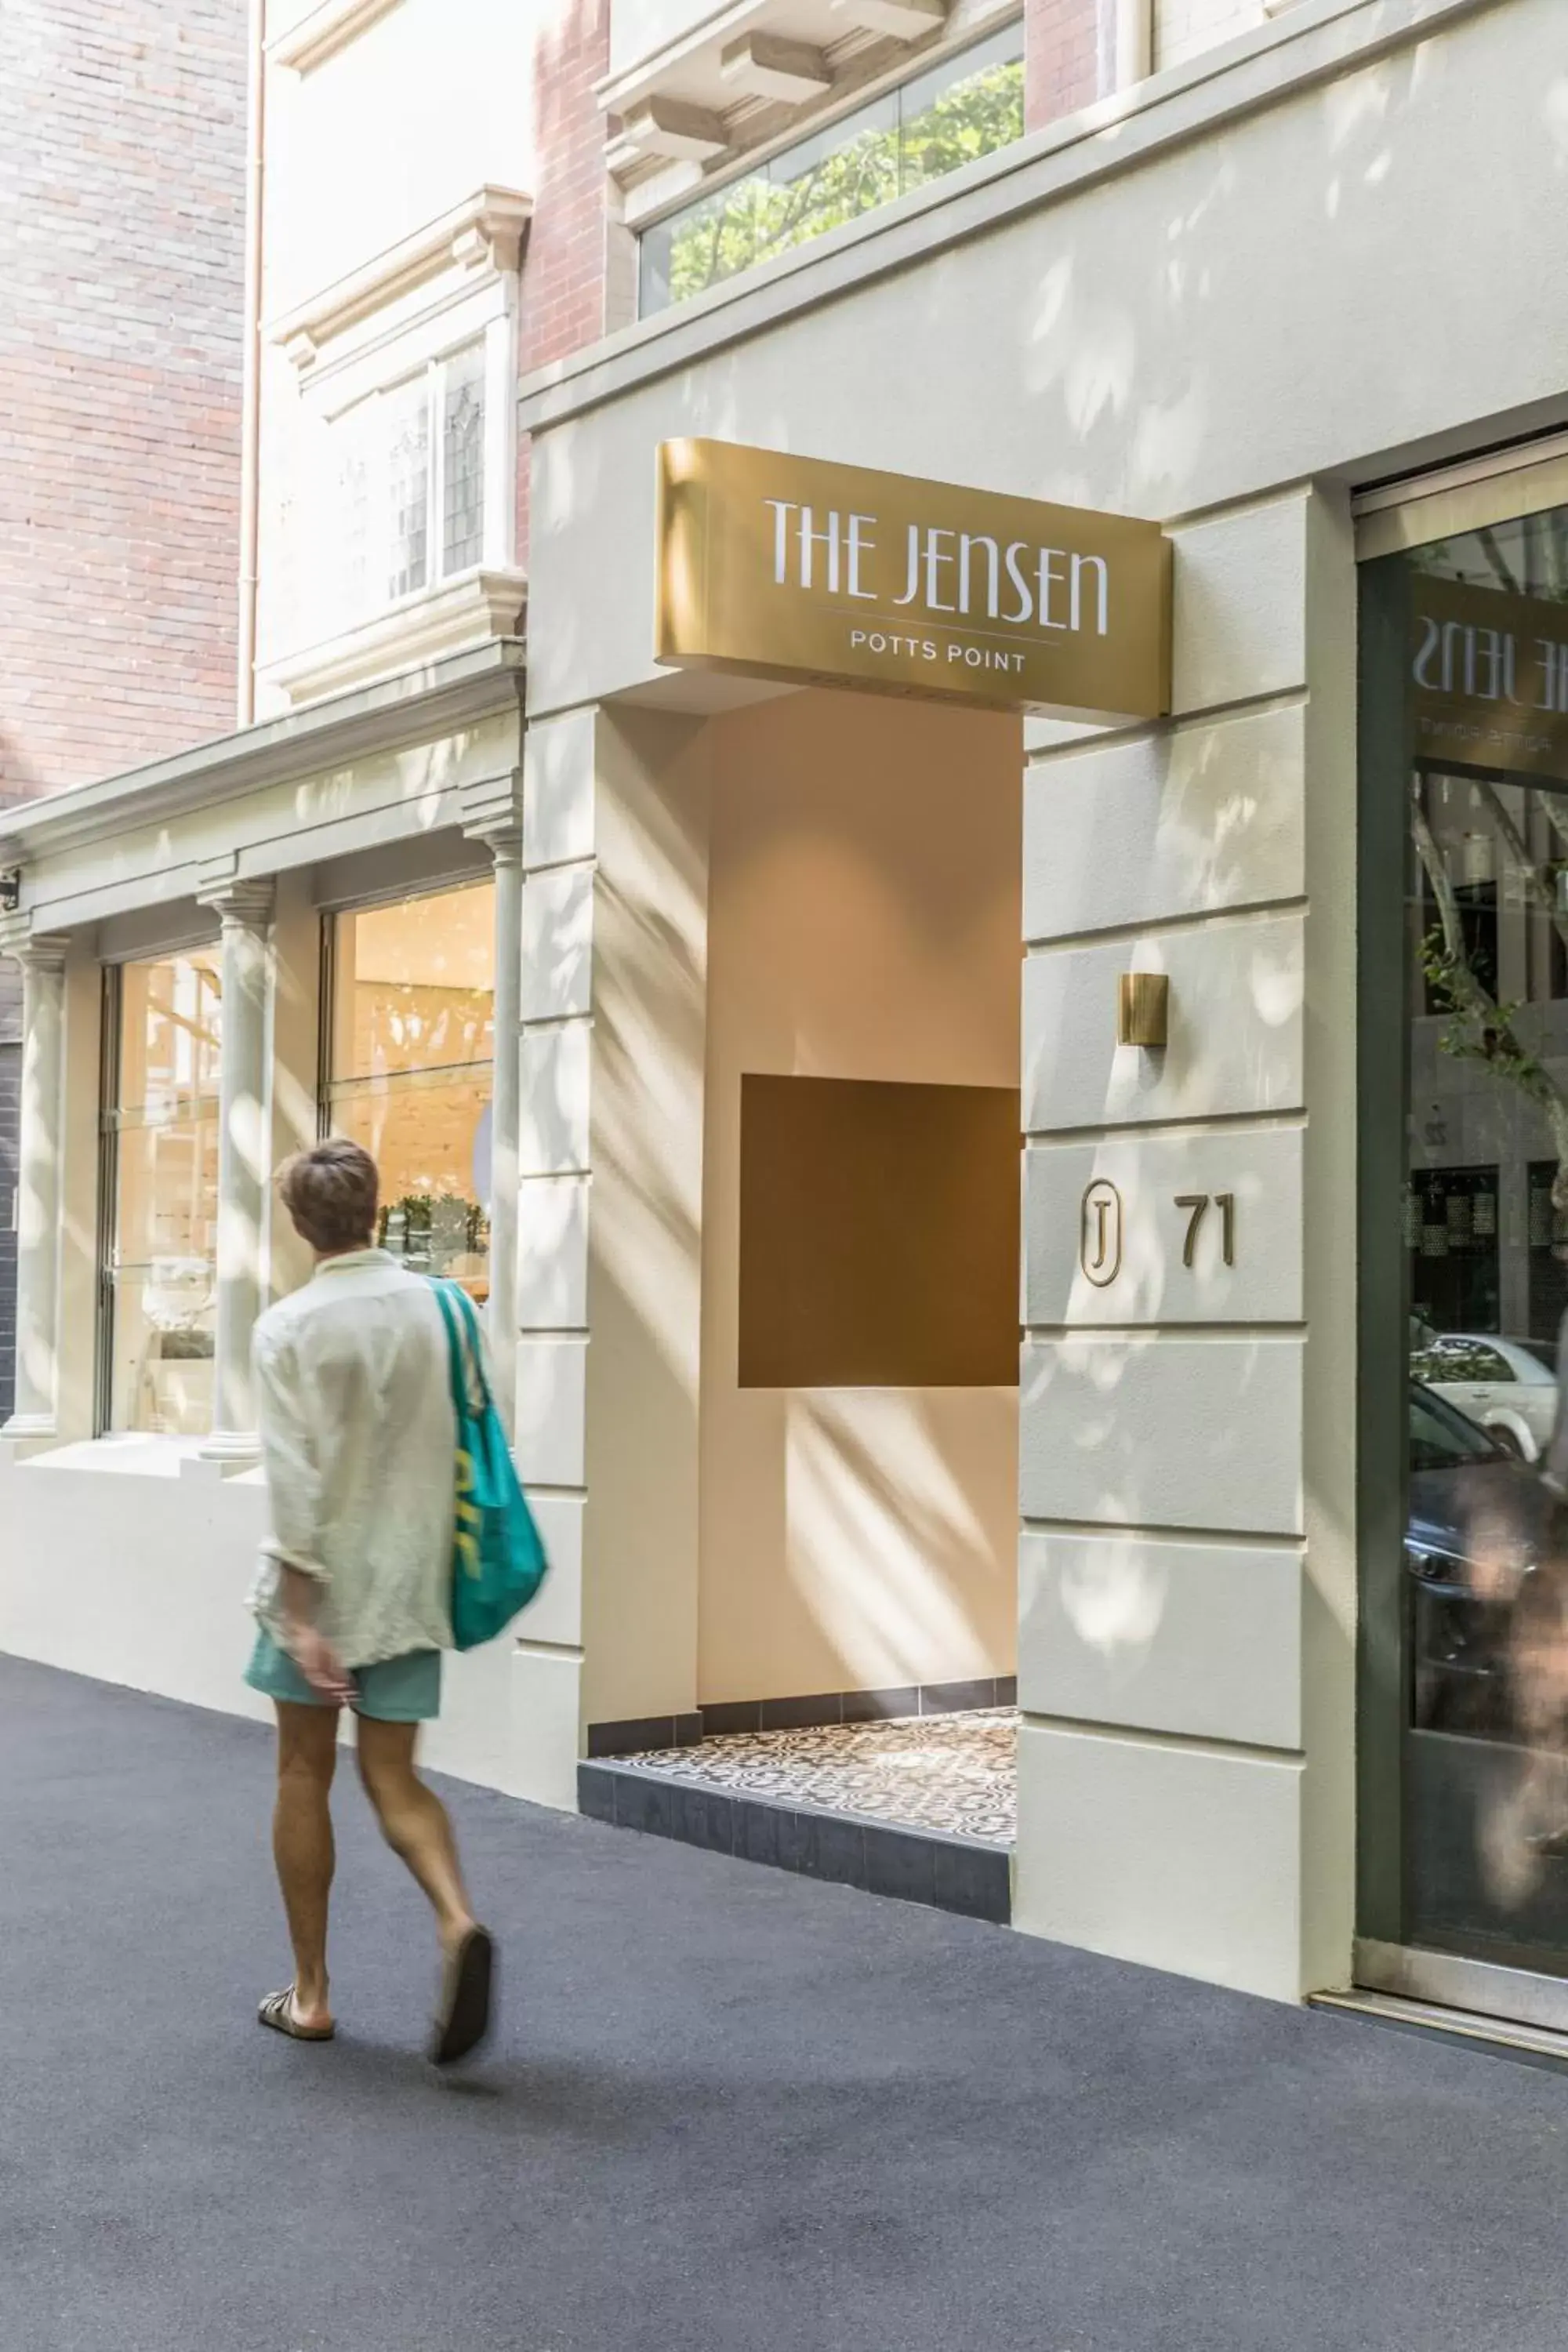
[244, 910]
[42, 958]
[492, 813]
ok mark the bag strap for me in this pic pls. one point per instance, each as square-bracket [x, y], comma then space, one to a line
[468, 1315]
[456, 1380]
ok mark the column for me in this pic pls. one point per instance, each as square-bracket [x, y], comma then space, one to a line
[507, 854]
[493, 815]
[1186, 1573]
[609, 1046]
[43, 961]
[245, 909]
[610, 1295]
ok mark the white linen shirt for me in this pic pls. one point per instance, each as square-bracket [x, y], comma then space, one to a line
[359, 1443]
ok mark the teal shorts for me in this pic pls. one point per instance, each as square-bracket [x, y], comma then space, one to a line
[398, 1690]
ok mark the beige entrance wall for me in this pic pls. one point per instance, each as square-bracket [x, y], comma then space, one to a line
[863, 922]
[823, 884]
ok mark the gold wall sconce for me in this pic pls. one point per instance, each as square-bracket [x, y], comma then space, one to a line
[1142, 1008]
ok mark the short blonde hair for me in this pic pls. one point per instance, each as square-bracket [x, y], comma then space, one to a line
[332, 1191]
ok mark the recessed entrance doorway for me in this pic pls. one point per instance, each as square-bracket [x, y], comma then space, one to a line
[859, 1398]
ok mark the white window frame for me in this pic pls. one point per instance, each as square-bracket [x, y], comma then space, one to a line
[372, 416]
[404, 315]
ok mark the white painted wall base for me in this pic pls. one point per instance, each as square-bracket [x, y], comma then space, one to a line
[137, 1574]
[1182, 1855]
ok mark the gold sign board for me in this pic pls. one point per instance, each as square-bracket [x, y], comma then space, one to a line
[792, 568]
[1488, 678]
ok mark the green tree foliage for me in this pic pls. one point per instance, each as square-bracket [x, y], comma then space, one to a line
[766, 214]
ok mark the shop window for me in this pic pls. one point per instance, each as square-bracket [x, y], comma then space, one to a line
[408, 1069]
[409, 487]
[1548, 1254]
[1464, 1041]
[164, 1021]
[1476, 906]
[1453, 1242]
[968, 105]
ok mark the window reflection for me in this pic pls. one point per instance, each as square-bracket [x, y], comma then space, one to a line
[410, 1070]
[968, 105]
[163, 1129]
[1476, 666]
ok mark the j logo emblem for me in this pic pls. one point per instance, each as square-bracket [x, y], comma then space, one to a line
[1099, 1239]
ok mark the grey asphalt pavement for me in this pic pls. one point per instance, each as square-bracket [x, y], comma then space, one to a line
[728, 2111]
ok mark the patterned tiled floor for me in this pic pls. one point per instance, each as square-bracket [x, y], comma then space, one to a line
[953, 1773]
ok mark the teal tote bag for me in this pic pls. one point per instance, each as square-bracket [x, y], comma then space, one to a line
[498, 1560]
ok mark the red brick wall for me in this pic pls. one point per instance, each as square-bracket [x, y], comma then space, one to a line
[1061, 58]
[563, 292]
[122, 248]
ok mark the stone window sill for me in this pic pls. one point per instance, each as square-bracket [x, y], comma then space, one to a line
[475, 609]
[131, 1453]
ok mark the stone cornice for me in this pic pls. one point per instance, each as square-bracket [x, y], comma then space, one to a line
[324, 30]
[410, 709]
[482, 606]
[492, 809]
[236, 898]
[616, 91]
[697, 93]
[480, 238]
[34, 951]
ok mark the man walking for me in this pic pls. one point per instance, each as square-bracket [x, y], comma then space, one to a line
[358, 1440]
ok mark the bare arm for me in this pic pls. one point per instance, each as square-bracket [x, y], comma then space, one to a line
[298, 1598]
[294, 1493]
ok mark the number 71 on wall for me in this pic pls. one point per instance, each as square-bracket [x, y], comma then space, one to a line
[1196, 1205]
[1101, 1229]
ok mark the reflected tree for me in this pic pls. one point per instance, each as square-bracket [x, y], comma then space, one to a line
[762, 216]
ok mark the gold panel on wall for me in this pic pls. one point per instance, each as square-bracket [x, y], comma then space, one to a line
[792, 568]
[879, 1234]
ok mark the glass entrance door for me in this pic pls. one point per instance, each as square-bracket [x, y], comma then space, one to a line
[1464, 918]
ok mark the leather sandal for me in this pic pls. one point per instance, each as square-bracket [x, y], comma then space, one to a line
[278, 2011]
[463, 2018]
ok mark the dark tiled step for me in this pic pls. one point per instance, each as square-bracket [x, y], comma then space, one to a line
[915, 1865]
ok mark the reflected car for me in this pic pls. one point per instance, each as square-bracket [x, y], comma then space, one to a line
[1510, 1386]
[1483, 1528]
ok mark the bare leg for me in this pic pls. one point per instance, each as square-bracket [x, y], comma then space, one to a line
[304, 1849]
[414, 1822]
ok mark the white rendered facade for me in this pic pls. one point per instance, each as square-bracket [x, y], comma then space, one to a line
[1219, 302]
